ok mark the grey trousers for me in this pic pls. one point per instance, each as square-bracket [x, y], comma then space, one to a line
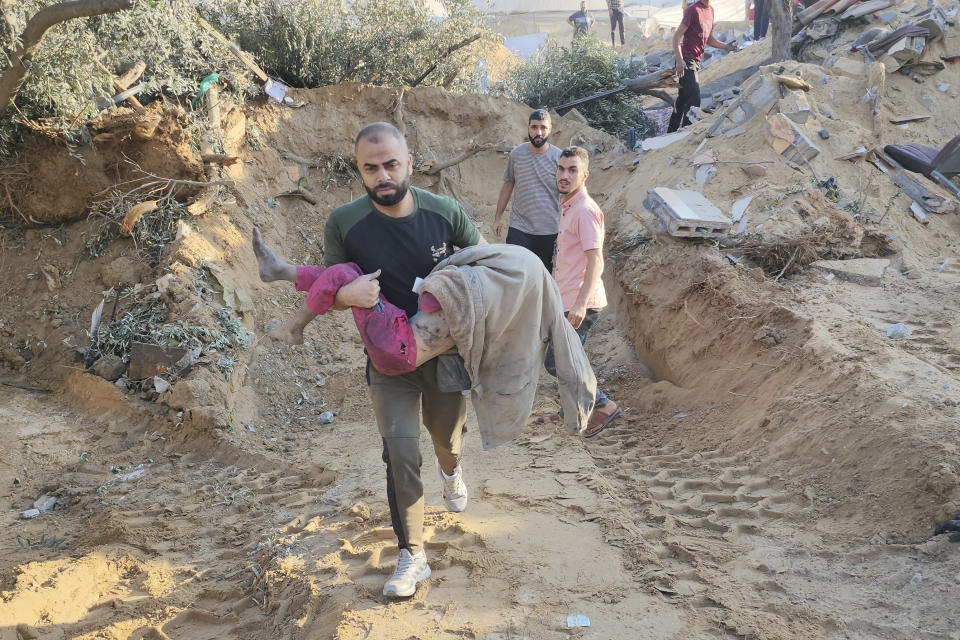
[397, 403]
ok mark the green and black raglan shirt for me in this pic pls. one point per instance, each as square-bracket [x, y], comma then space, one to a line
[404, 249]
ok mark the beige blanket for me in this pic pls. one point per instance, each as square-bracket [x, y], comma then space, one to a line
[503, 309]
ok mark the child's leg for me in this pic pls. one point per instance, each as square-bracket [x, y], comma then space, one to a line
[292, 330]
[271, 267]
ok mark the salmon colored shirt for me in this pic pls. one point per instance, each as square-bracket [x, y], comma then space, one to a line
[581, 229]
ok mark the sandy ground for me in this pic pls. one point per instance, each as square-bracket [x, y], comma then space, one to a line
[778, 472]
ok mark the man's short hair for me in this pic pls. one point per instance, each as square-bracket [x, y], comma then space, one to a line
[577, 152]
[376, 132]
[539, 114]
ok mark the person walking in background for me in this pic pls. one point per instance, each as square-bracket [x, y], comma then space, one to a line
[581, 21]
[761, 19]
[530, 177]
[693, 35]
[579, 268]
[615, 9]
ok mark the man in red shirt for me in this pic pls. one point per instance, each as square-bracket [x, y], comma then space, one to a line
[693, 35]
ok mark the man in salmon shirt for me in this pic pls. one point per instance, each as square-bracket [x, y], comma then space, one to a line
[693, 35]
[579, 265]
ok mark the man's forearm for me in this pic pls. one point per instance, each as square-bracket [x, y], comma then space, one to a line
[505, 192]
[591, 277]
[713, 42]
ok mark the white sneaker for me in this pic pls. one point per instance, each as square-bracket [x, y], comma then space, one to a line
[454, 489]
[411, 569]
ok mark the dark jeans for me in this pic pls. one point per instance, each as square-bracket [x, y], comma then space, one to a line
[688, 96]
[542, 246]
[400, 404]
[761, 19]
[616, 17]
[549, 361]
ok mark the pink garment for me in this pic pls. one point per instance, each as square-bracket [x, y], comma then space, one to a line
[385, 329]
[581, 229]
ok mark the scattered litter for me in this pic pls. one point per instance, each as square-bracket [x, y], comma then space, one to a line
[679, 415]
[578, 620]
[898, 331]
[326, 417]
[829, 277]
[133, 474]
[274, 89]
[249, 428]
[732, 258]
[906, 119]
[740, 207]
[943, 87]
[917, 578]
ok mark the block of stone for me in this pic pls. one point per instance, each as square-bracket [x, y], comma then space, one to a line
[795, 106]
[148, 360]
[864, 271]
[788, 140]
[686, 214]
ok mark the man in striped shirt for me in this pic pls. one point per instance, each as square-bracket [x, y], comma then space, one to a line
[530, 177]
[615, 8]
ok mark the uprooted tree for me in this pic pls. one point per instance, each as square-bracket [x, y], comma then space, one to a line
[19, 57]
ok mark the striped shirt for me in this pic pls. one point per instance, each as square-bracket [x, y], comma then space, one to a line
[536, 201]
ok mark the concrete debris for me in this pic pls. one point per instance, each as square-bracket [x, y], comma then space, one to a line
[686, 214]
[160, 385]
[30, 513]
[863, 271]
[898, 331]
[796, 107]
[740, 207]
[824, 134]
[326, 417]
[659, 142]
[705, 173]
[933, 20]
[918, 213]
[788, 140]
[759, 95]
[45, 503]
[843, 66]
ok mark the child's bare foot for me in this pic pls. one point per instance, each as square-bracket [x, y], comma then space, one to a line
[290, 331]
[271, 267]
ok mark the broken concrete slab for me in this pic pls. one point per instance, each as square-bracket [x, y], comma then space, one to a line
[863, 271]
[843, 66]
[659, 142]
[933, 20]
[759, 95]
[686, 214]
[148, 360]
[796, 107]
[787, 139]
[907, 50]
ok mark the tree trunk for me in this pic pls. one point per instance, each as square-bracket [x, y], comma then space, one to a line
[12, 78]
[781, 22]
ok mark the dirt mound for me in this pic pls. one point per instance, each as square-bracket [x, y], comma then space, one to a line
[124, 145]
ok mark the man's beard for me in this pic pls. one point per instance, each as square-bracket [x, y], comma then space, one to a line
[399, 192]
[535, 143]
